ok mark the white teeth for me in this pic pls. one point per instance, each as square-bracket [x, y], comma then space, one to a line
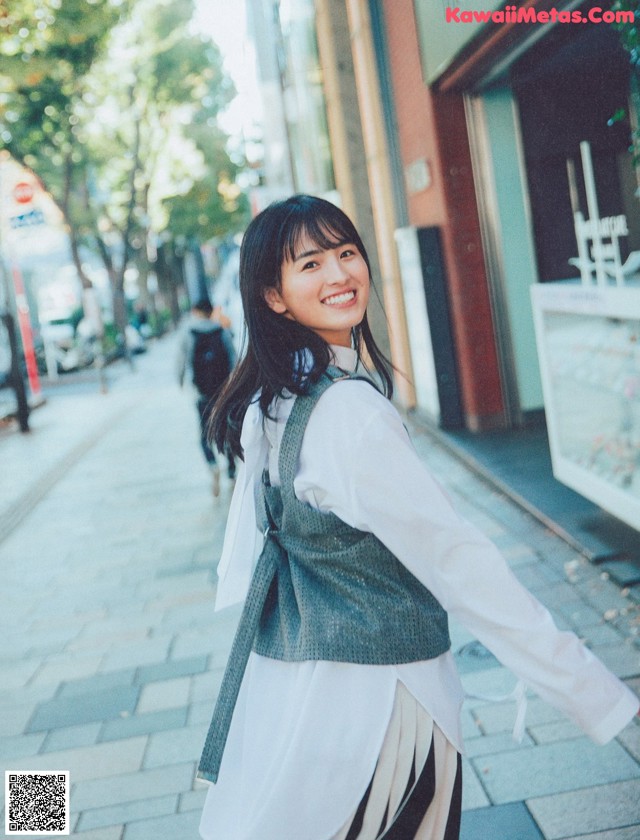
[336, 299]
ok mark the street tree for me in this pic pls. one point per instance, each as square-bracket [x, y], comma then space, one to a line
[159, 78]
[116, 113]
[47, 50]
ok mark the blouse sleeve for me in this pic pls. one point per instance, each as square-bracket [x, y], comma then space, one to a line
[358, 462]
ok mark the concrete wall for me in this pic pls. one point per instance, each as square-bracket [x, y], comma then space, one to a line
[347, 143]
[381, 189]
[432, 128]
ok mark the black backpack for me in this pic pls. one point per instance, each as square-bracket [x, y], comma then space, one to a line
[210, 361]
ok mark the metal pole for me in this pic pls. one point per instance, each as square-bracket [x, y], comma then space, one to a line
[15, 374]
[16, 378]
[594, 213]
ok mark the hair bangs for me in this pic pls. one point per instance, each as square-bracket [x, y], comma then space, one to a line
[326, 227]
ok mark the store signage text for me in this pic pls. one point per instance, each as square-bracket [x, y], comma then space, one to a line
[30, 219]
[605, 255]
[609, 226]
[598, 239]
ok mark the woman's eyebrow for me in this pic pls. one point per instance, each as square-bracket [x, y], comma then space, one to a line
[315, 251]
[312, 253]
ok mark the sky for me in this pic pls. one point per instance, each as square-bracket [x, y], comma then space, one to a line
[225, 22]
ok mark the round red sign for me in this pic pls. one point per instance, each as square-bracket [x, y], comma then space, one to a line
[23, 192]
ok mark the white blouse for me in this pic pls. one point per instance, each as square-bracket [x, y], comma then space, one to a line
[305, 736]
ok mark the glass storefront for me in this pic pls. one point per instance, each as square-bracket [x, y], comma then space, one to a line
[573, 87]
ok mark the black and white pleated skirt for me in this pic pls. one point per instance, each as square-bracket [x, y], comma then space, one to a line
[416, 789]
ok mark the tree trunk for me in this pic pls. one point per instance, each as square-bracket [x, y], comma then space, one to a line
[107, 259]
[178, 284]
[168, 280]
[201, 283]
[77, 259]
[73, 230]
[120, 315]
[143, 261]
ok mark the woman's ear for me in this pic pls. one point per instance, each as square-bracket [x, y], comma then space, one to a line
[274, 300]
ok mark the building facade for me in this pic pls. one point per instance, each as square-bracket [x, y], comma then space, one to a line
[459, 139]
[525, 127]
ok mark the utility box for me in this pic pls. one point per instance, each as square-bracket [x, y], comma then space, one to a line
[428, 320]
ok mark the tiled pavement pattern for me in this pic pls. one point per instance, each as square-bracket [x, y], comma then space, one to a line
[112, 654]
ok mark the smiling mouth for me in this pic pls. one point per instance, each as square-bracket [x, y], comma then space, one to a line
[343, 297]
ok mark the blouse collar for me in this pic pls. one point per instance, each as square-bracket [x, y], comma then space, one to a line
[344, 357]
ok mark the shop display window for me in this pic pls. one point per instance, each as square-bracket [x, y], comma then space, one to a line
[589, 347]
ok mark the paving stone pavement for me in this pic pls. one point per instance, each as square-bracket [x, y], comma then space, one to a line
[112, 654]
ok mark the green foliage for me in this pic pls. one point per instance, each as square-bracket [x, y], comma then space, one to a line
[111, 345]
[630, 37]
[39, 33]
[160, 321]
[207, 210]
[629, 31]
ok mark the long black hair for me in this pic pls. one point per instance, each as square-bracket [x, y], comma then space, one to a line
[281, 354]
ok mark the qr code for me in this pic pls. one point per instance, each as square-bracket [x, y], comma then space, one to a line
[37, 802]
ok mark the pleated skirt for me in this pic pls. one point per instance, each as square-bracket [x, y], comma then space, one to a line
[416, 789]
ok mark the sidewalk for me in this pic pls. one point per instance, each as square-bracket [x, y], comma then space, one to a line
[112, 654]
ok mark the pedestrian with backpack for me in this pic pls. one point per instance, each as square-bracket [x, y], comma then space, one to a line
[207, 351]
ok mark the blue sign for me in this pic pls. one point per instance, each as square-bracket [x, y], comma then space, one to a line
[30, 219]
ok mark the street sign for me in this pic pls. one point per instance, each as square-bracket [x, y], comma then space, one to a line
[23, 192]
[30, 219]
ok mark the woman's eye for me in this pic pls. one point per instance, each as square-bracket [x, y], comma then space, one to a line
[310, 264]
[348, 252]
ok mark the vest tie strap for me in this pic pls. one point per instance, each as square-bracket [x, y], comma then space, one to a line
[240, 650]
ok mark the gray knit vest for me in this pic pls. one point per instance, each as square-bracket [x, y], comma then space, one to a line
[322, 590]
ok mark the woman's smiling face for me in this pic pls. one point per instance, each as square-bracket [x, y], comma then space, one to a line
[324, 289]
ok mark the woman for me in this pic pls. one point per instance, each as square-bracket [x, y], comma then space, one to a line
[343, 721]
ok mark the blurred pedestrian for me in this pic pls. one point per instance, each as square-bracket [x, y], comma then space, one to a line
[339, 712]
[207, 352]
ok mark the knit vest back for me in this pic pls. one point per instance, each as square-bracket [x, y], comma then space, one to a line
[322, 590]
[338, 593]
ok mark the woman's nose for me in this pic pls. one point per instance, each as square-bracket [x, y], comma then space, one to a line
[336, 271]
